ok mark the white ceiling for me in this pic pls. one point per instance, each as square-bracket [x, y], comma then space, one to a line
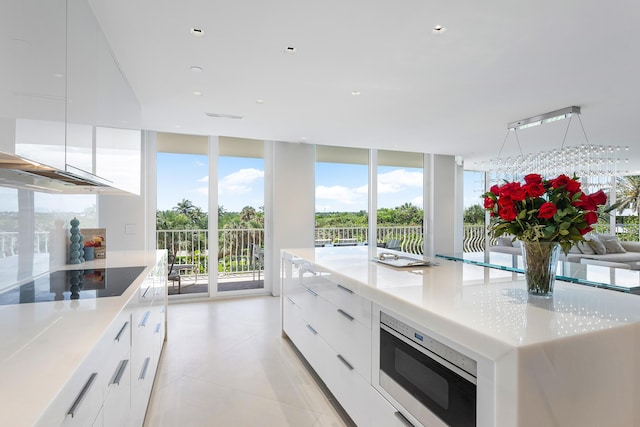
[452, 93]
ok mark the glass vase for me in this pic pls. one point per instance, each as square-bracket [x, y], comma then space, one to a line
[540, 261]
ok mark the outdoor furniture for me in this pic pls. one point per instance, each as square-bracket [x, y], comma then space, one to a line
[174, 275]
[347, 242]
[257, 259]
[320, 243]
[393, 244]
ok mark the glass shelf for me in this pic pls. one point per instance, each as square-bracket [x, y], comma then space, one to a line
[617, 279]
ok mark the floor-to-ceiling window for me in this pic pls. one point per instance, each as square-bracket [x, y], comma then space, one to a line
[182, 210]
[240, 223]
[400, 210]
[341, 196]
[474, 215]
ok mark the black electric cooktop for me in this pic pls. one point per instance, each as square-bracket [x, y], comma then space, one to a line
[73, 284]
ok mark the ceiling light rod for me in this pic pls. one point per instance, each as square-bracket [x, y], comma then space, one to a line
[544, 118]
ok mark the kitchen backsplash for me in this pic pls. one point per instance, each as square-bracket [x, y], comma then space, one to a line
[34, 230]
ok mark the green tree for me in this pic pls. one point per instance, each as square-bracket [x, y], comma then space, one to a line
[628, 195]
[474, 215]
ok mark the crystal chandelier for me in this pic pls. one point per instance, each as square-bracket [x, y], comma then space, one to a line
[595, 165]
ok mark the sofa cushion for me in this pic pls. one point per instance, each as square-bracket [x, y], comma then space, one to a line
[504, 241]
[585, 248]
[575, 250]
[611, 244]
[597, 246]
[625, 257]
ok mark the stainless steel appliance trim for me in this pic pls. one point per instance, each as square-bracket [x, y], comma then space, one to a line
[461, 364]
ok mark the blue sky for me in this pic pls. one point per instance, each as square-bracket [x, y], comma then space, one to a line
[339, 187]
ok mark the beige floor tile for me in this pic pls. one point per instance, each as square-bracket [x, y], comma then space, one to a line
[226, 364]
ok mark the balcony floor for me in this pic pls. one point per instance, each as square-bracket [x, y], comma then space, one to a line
[225, 283]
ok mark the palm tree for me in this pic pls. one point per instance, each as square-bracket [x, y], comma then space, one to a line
[628, 194]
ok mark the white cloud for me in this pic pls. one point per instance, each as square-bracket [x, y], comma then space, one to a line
[339, 193]
[398, 180]
[240, 182]
[203, 179]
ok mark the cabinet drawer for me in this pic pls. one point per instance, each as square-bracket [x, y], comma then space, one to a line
[348, 386]
[384, 414]
[344, 298]
[350, 338]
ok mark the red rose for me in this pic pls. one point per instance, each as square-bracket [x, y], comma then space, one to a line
[513, 191]
[591, 217]
[533, 178]
[495, 189]
[599, 198]
[547, 210]
[534, 189]
[585, 202]
[489, 203]
[508, 213]
[585, 230]
[560, 181]
[573, 186]
[505, 201]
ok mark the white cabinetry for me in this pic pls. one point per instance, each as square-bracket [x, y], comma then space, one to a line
[103, 114]
[32, 79]
[331, 326]
[113, 385]
[64, 101]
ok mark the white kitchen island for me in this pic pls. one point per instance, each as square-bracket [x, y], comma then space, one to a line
[572, 360]
[85, 362]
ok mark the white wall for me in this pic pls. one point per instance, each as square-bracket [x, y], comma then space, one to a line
[289, 203]
[126, 217]
[443, 180]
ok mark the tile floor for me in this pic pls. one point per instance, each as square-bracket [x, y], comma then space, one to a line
[226, 364]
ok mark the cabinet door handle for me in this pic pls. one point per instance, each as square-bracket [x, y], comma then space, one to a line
[403, 419]
[344, 289]
[143, 371]
[345, 314]
[143, 322]
[82, 395]
[312, 292]
[117, 375]
[144, 295]
[291, 301]
[157, 331]
[313, 331]
[117, 338]
[343, 360]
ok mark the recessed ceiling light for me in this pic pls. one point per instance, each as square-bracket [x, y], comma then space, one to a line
[439, 29]
[58, 75]
[259, 101]
[355, 92]
[195, 69]
[290, 50]
[197, 32]
[196, 93]
[178, 126]
[224, 116]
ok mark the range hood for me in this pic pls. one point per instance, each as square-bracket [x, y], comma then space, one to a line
[70, 177]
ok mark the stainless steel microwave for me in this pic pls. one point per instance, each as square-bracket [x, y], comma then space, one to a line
[433, 383]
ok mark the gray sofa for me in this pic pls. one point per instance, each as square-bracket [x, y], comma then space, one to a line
[590, 252]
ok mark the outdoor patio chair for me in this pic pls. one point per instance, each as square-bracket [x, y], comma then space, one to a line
[174, 275]
[257, 259]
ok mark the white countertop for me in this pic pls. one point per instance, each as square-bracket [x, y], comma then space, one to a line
[570, 360]
[42, 344]
[486, 310]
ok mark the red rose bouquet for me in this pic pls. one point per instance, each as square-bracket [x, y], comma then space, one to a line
[554, 210]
